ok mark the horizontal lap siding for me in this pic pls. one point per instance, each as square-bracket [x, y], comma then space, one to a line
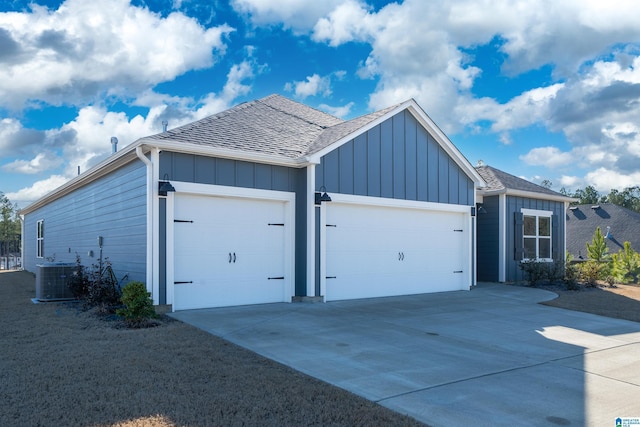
[113, 207]
[396, 159]
[514, 204]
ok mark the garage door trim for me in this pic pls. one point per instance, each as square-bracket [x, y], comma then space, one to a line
[230, 192]
[391, 203]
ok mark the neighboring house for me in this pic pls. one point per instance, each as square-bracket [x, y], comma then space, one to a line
[517, 220]
[616, 223]
[269, 201]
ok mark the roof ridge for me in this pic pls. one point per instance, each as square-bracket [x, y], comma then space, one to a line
[289, 113]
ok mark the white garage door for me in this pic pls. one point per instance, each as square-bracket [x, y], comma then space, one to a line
[228, 251]
[385, 251]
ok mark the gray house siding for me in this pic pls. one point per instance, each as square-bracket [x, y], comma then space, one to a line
[395, 159]
[488, 240]
[113, 207]
[236, 173]
[513, 206]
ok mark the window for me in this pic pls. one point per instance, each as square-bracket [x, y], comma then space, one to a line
[537, 234]
[40, 239]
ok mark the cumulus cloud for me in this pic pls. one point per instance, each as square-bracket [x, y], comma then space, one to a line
[340, 111]
[84, 50]
[550, 157]
[299, 15]
[25, 196]
[41, 163]
[312, 86]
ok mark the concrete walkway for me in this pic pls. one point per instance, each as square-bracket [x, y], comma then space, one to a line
[487, 357]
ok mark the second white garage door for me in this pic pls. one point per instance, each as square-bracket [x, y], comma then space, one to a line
[384, 251]
[229, 251]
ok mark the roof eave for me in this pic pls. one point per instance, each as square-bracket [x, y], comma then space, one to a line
[527, 194]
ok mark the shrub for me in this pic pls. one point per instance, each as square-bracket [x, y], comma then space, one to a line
[571, 274]
[534, 271]
[591, 271]
[626, 264]
[138, 306]
[97, 286]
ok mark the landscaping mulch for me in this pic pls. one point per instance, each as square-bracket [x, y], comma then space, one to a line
[62, 366]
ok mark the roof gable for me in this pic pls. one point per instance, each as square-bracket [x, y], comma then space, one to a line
[500, 182]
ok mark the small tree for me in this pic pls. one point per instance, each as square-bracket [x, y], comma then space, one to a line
[138, 306]
[598, 249]
[626, 264]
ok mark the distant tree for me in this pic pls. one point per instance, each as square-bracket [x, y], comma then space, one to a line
[628, 198]
[546, 184]
[588, 196]
[9, 227]
[626, 264]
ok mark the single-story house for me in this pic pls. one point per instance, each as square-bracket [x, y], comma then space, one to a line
[271, 201]
[517, 220]
[617, 224]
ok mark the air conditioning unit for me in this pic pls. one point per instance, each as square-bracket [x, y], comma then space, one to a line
[52, 281]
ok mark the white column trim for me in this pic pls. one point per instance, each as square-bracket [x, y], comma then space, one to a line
[502, 237]
[311, 230]
[170, 245]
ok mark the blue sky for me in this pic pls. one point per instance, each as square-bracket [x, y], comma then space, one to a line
[538, 88]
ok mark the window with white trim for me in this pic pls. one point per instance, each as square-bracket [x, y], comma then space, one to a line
[537, 234]
[40, 239]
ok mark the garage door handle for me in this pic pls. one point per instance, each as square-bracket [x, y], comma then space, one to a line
[229, 257]
[234, 257]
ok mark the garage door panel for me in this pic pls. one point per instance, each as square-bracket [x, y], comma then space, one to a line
[229, 252]
[381, 251]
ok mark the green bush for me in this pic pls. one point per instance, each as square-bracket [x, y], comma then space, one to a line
[534, 271]
[138, 306]
[626, 265]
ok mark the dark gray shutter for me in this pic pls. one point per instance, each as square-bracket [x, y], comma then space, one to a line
[518, 242]
[555, 238]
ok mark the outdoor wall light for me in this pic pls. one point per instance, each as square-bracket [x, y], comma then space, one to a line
[322, 196]
[165, 187]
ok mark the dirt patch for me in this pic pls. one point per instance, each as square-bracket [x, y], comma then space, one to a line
[62, 366]
[620, 302]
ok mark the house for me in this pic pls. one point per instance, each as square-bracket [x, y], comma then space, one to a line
[616, 223]
[271, 201]
[517, 220]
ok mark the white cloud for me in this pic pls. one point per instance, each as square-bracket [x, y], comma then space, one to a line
[40, 163]
[341, 111]
[312, 86]
[300, 15]
[604, 179]
[30, 194]
[83, 50]
[550, 157]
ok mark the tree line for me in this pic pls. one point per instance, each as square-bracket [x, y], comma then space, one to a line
[628, 198]
[10, 230]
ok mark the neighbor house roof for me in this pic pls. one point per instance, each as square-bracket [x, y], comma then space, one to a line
[582, 221]
[500, 182]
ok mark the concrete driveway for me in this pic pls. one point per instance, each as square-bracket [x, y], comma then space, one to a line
[487, 357]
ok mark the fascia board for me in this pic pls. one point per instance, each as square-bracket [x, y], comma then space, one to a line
[528, 194]
[315, 157]
[445, 142]
[185, 147]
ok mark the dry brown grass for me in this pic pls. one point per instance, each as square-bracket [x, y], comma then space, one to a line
[60, 366]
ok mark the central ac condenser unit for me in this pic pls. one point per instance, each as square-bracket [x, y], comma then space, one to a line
[52, 281]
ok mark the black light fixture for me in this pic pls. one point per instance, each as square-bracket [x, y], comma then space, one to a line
[322, 196]
[165, 186]
[479, 208]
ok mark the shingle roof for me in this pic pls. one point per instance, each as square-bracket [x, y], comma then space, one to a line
[498, 180]
[582, 221]
[273, 125]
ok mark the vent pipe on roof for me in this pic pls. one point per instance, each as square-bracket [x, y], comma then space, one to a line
[114, 144]
[164, 125]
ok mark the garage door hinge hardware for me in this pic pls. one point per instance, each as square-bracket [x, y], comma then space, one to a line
[331, 277]
[182, 220]
[458, 271]
[279, 225]
[232, 257]
[331, 225]
[276, 278]
[459, 231]
[182, 283]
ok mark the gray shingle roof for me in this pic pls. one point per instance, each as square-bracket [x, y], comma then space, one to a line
[273, 125]
[498, 180]
[582, 222]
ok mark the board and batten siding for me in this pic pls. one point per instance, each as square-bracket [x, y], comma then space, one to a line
[114, 207]
[488, 240]
[237, 173]
[396, 159]
[515, 204]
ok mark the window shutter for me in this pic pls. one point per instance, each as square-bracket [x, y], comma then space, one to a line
[555, 238]
[518, 243]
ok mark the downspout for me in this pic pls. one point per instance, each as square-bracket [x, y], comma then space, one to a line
[21, 217]
[150, 224]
